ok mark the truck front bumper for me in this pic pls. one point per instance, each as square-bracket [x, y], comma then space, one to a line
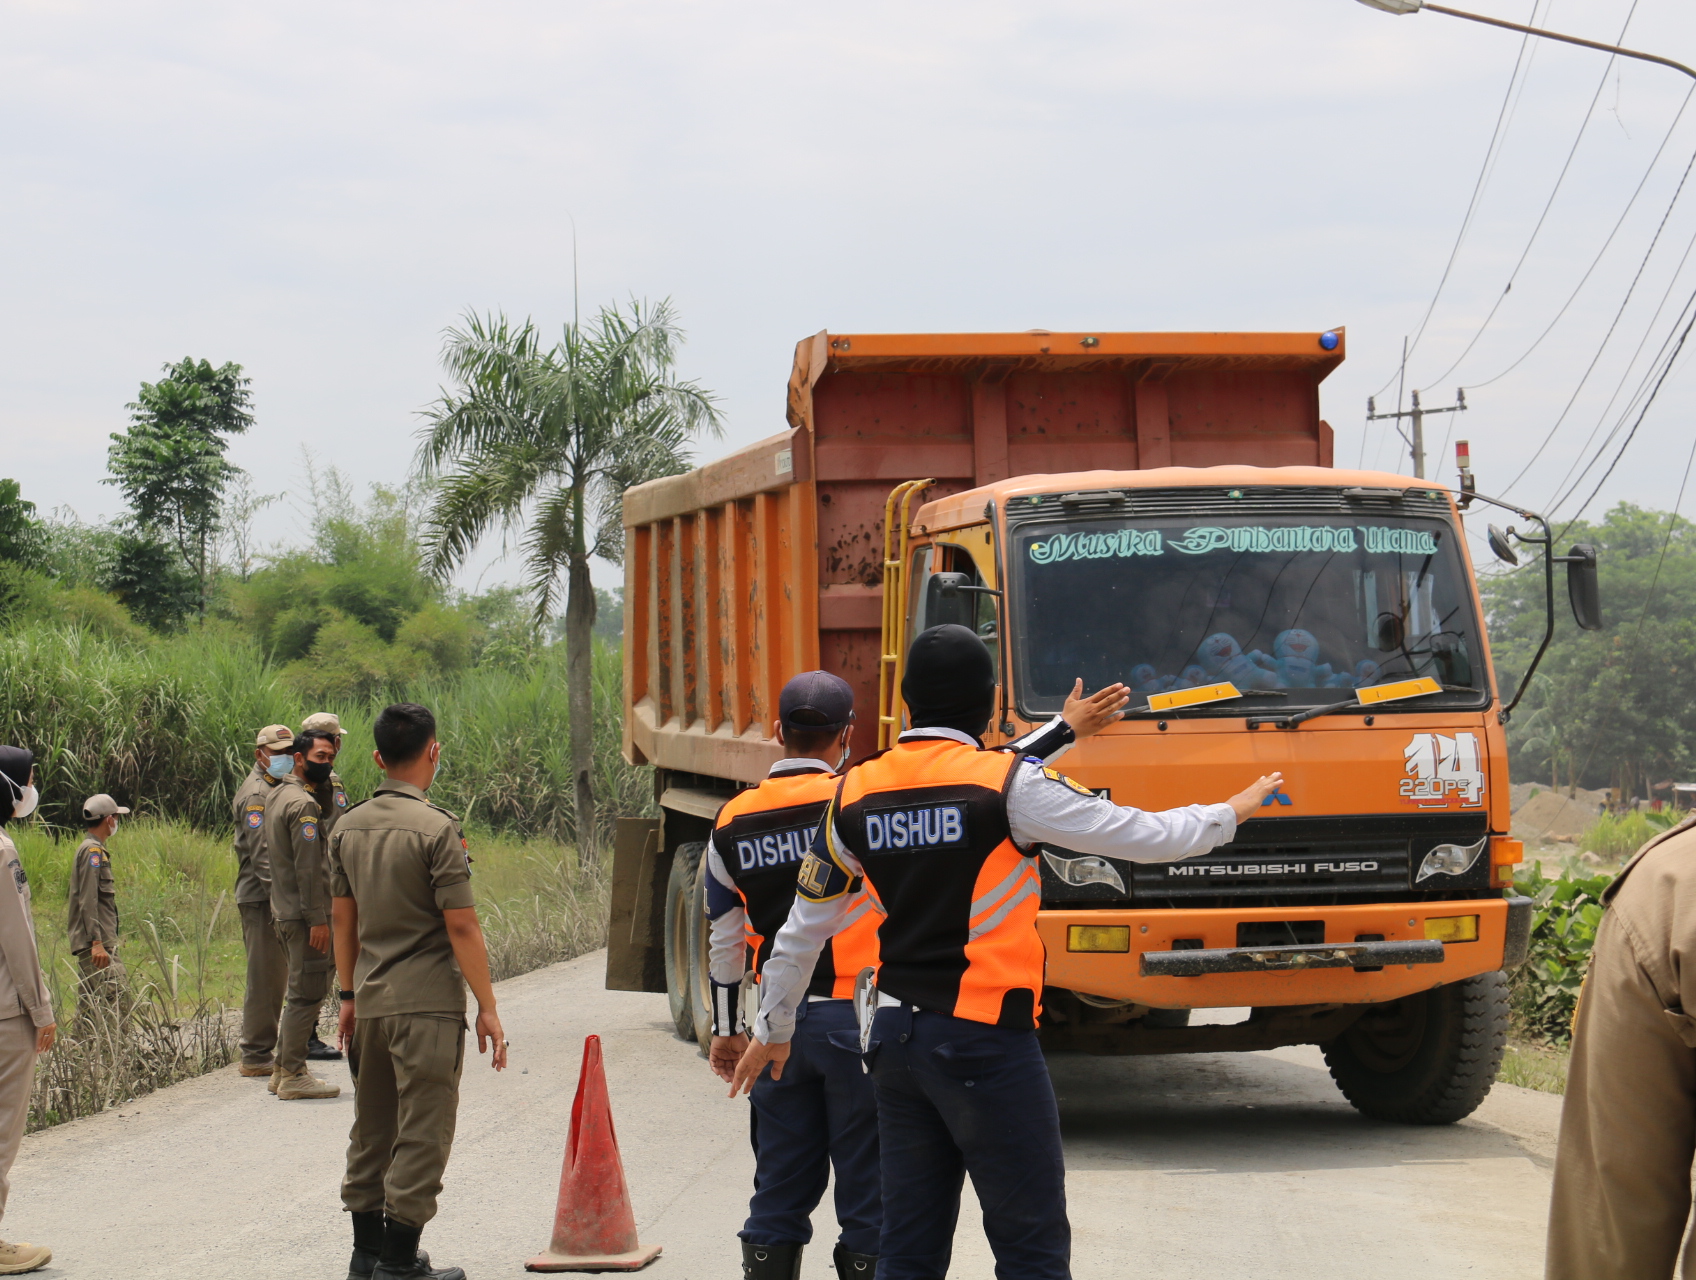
[1190, 959]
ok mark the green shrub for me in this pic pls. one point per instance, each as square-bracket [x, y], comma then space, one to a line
[1616, 836]
[1563, 930]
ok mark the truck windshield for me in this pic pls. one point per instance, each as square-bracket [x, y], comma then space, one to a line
[1300, 609]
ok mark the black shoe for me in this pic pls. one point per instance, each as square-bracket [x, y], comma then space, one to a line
[771, 1261]
[854, 1266]
[402, 1260]
[318, 1051]
[367, 1244]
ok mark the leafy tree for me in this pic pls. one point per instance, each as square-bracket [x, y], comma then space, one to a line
[170, 464]
[1607, 707]
[21, 533]
[545, 439]
[149, 578]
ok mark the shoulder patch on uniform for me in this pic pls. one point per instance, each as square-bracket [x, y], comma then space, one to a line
[255, 816]
[1056, 776]
[20, 875]
[97, 857]
[341, 798]
[309, 828]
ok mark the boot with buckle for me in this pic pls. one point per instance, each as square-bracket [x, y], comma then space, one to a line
[854, 1266]
[771, 1261]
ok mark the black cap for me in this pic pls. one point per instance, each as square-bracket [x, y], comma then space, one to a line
[814, 701]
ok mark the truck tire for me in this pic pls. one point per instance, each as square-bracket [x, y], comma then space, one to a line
[1428, 1058]
[681, 903]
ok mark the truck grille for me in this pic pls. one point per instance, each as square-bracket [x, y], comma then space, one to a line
[1280, 862]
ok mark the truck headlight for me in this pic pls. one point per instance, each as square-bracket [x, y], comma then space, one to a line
[1450, 859]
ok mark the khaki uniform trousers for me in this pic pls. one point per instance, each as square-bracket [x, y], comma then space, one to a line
[1622, 1195]
[405, 1102]
[267, 984]
[17, 1078]
[308, 983]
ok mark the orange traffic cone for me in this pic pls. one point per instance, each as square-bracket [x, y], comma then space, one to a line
[594, 1227]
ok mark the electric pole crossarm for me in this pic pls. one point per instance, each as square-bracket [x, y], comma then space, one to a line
[1555, 35]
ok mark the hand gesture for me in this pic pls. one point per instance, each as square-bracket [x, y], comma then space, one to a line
[724, 1054]
[1088, 716]
[753, 1061]
[1248, 801]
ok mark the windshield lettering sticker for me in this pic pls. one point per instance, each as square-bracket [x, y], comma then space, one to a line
[1408, 542]
[1097, 546]
[1300, 537]
[1441, 767]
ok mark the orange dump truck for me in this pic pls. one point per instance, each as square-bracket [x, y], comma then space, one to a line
[1159, 509]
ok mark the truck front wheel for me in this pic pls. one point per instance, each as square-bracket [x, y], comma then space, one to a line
[682, 934]
[1425, 1059]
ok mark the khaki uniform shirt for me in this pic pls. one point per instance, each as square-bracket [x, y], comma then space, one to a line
[300, 873]
[403, 862]
[23, 989]
[93, 912]
[1621, 1196]
[253, 869]
[332, 804]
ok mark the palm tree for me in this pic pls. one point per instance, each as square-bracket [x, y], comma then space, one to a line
[543, 442]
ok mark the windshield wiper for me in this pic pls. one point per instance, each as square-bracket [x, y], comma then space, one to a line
[1313, 713]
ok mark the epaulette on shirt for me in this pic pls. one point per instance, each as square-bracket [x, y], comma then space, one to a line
[357, 803]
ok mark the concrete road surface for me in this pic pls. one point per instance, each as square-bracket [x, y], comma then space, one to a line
[1228, 1167]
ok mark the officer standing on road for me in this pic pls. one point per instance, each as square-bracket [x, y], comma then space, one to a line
[946, 835]
[26, 1008]
[331, 796]
[300, 905]
[92, 907]
[407, 945]
[819, 1110]
[1621, 1199]
[267, 962]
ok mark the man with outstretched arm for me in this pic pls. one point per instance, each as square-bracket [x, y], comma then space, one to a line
[407, 945]
[820, 1112]
[946, 835]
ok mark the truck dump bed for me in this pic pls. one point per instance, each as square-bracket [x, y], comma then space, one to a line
[769, 561]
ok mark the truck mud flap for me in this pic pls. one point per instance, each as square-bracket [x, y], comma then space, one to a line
[1343, 955]
[1517, 945]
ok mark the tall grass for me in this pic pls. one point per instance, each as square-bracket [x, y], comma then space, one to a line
[1614, 837]
[167, 727]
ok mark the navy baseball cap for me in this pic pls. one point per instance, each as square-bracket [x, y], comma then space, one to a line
[815, 700]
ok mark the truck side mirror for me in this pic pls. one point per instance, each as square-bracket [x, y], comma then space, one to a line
[1581, 586]
[946, 603]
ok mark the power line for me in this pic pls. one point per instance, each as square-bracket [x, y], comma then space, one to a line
[1484, 171]
[1548, 204]
[1608, 337]
[1596, 261]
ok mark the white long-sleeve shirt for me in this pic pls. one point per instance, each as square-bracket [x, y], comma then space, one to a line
[1039, 811]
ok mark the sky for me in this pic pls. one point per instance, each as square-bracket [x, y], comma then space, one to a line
[317, 191]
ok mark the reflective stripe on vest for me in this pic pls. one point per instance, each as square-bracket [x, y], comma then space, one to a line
[762, 834]
[927, 820]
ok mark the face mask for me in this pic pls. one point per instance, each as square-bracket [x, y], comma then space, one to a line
[318, 773]
[280, 766]
[26, 802]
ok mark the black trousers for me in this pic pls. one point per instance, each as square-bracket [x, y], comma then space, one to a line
[957, 1097]
[821, 1113]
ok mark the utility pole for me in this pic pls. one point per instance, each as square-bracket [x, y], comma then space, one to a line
[1416, 415]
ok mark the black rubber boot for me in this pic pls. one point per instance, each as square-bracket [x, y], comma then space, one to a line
[771, 1261]
[367, 1244]
[401, 1259]
[318, 1051]
[854, 1266]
